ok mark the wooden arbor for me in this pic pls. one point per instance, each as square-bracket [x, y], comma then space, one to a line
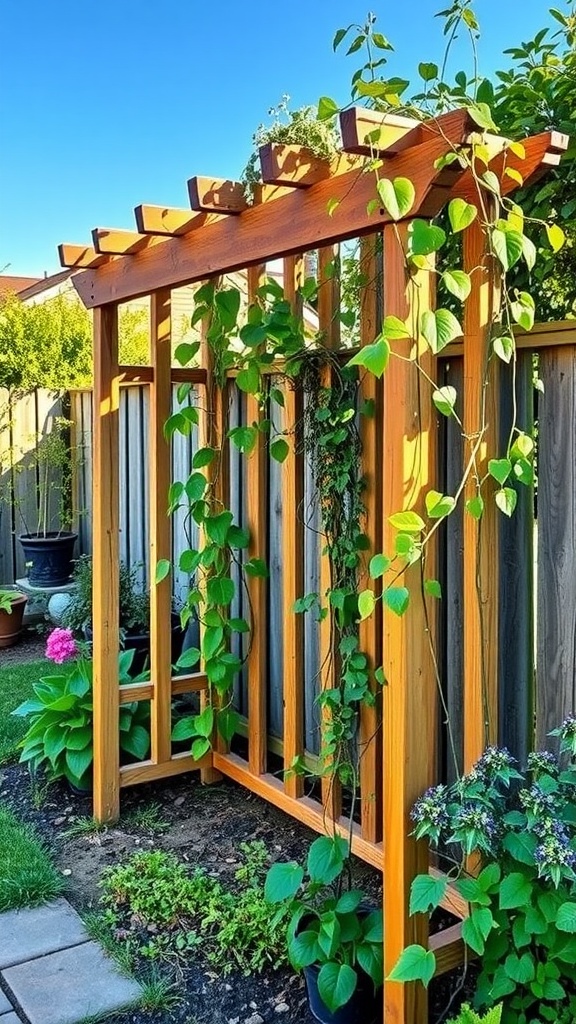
[221, 233]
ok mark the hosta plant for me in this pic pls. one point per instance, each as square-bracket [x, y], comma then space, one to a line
[329, 924]
[59, 735]
[520, 828]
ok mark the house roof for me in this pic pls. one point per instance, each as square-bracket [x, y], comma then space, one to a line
[14, 285]
[36, 286]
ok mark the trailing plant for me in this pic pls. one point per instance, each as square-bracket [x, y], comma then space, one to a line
[521, 827]
[329, 924]
[59, 736]
[187, 909]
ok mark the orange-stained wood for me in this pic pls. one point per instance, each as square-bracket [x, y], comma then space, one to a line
[449, 949]
[293, 558]
[180, 684]
[257, 512]
[114, 242]
[299, 167]
[167, 220]
[480, 426]
[216, 195]
[329, 326]
[294, 223]
[370, 630]
[160, 526]
[365, 132]
[80, 256]
[105, 561]
[147, 771]
[409, 696]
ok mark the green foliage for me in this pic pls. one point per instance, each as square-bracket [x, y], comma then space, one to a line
[16, 682]
[134, 601]
[59, 735]
[7, 599]
[468, 1016]
[28, 876]
[328, 925]
[47, 345]
[522, 920]
[189, 909]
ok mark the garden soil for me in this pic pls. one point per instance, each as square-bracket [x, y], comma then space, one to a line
[204, 826]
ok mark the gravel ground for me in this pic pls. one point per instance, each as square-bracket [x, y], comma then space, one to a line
[30, 647]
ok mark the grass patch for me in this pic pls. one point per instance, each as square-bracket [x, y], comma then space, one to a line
[27, 875]
[16, 683]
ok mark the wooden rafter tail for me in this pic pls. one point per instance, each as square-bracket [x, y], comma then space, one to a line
[298, 167]
[79, 256]
[369, 133]
[116, 242]
[216, 195]
[167, 220]
[540, 153]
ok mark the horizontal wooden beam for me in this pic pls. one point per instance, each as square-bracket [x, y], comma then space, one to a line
[116, 242]
[216, 195]
[449, 949]
[294, 223]
[148, 771]
[366, 132]
[80, 256]
[167, 220]
[180, 684]
[298, 167]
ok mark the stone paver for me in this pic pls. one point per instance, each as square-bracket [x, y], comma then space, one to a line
[10, 1018]
[25, 934]
[5, 1004]
[66, 986]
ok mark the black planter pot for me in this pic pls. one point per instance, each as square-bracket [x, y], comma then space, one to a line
[140, 644]
[365, 1006]
[49, 557]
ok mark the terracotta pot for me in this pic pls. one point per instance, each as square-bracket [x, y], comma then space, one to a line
[11, 622]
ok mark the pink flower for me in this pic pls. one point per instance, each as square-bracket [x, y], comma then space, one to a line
[61, 645]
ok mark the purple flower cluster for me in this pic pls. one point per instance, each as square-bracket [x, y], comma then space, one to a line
[554, 855]
[430, 809]
[568, 728]
[536, 802]
[542, 762]
[495, 760]
[474, 816]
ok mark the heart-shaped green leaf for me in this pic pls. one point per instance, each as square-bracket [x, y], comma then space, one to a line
[500, 469]
[439, 505]
[507, 245]
[475, 506]
[397, 197]
[415, 964]
[482, 115]
[396, 599]
[411, 522]
[523, 310]
[458, 283]
[445, 399]
[504, 347]
[373, 357]
[439, 328]
[424, 238]
[556, 236]
[461, 214]
[394, 329]
[506, 499]
[366, 604]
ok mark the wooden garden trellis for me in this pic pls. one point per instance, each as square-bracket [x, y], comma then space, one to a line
[221, 233]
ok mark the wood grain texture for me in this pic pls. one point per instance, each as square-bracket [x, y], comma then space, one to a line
[147, 771]
[160, 526]
[556, 573]
[299, 167]
[293, 559]
[116, 242]
[481, 538]
[410, 701]
[167, 220]
[257, 521]
[105, 565]
[80, 256]
[216, 195]
[370, 630]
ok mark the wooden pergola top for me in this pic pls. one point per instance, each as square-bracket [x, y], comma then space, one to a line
[303, 203]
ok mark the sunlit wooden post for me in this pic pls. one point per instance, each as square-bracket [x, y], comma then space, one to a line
[160, 526]
[481, 569]
[410, 706]
[105, 596]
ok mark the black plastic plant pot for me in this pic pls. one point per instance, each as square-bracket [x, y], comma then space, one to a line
[140, 644]
[365, 1006]
[49, 557]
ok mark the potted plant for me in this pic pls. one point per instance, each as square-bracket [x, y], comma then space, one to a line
[48, 543]
[134, 611]
[333, 935]
[60, 732]
[12, 605]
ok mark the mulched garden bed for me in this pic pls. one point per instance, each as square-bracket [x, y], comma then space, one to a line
[204, 825]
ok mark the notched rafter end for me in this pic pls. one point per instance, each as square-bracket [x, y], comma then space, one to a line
[166, 220]
[80, 257]
[117, 242]
[216, 195]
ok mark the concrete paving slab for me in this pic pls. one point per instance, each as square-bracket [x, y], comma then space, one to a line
[25, 934]
[5, 1004]
[69, 985]
[10, 1018]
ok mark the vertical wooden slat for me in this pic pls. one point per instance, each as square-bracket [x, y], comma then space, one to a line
[410, 705]
[105, 524]
[257, 514]
[329, 325]
[556, 614]
[370, 630]
[293, 560]
[160, 525]
[480, 537]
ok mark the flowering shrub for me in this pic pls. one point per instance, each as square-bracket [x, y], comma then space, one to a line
[60, 731]
[522, 921]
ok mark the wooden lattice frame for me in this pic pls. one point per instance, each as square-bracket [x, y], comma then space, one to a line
[221, 233]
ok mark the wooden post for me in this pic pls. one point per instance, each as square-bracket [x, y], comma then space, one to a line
[105, 562]
[481, 392]
[257, 513]
[410, 703]
[293, 561]
[370, 631]
[160, 527]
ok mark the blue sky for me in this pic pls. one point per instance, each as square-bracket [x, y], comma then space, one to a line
[109, 104]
